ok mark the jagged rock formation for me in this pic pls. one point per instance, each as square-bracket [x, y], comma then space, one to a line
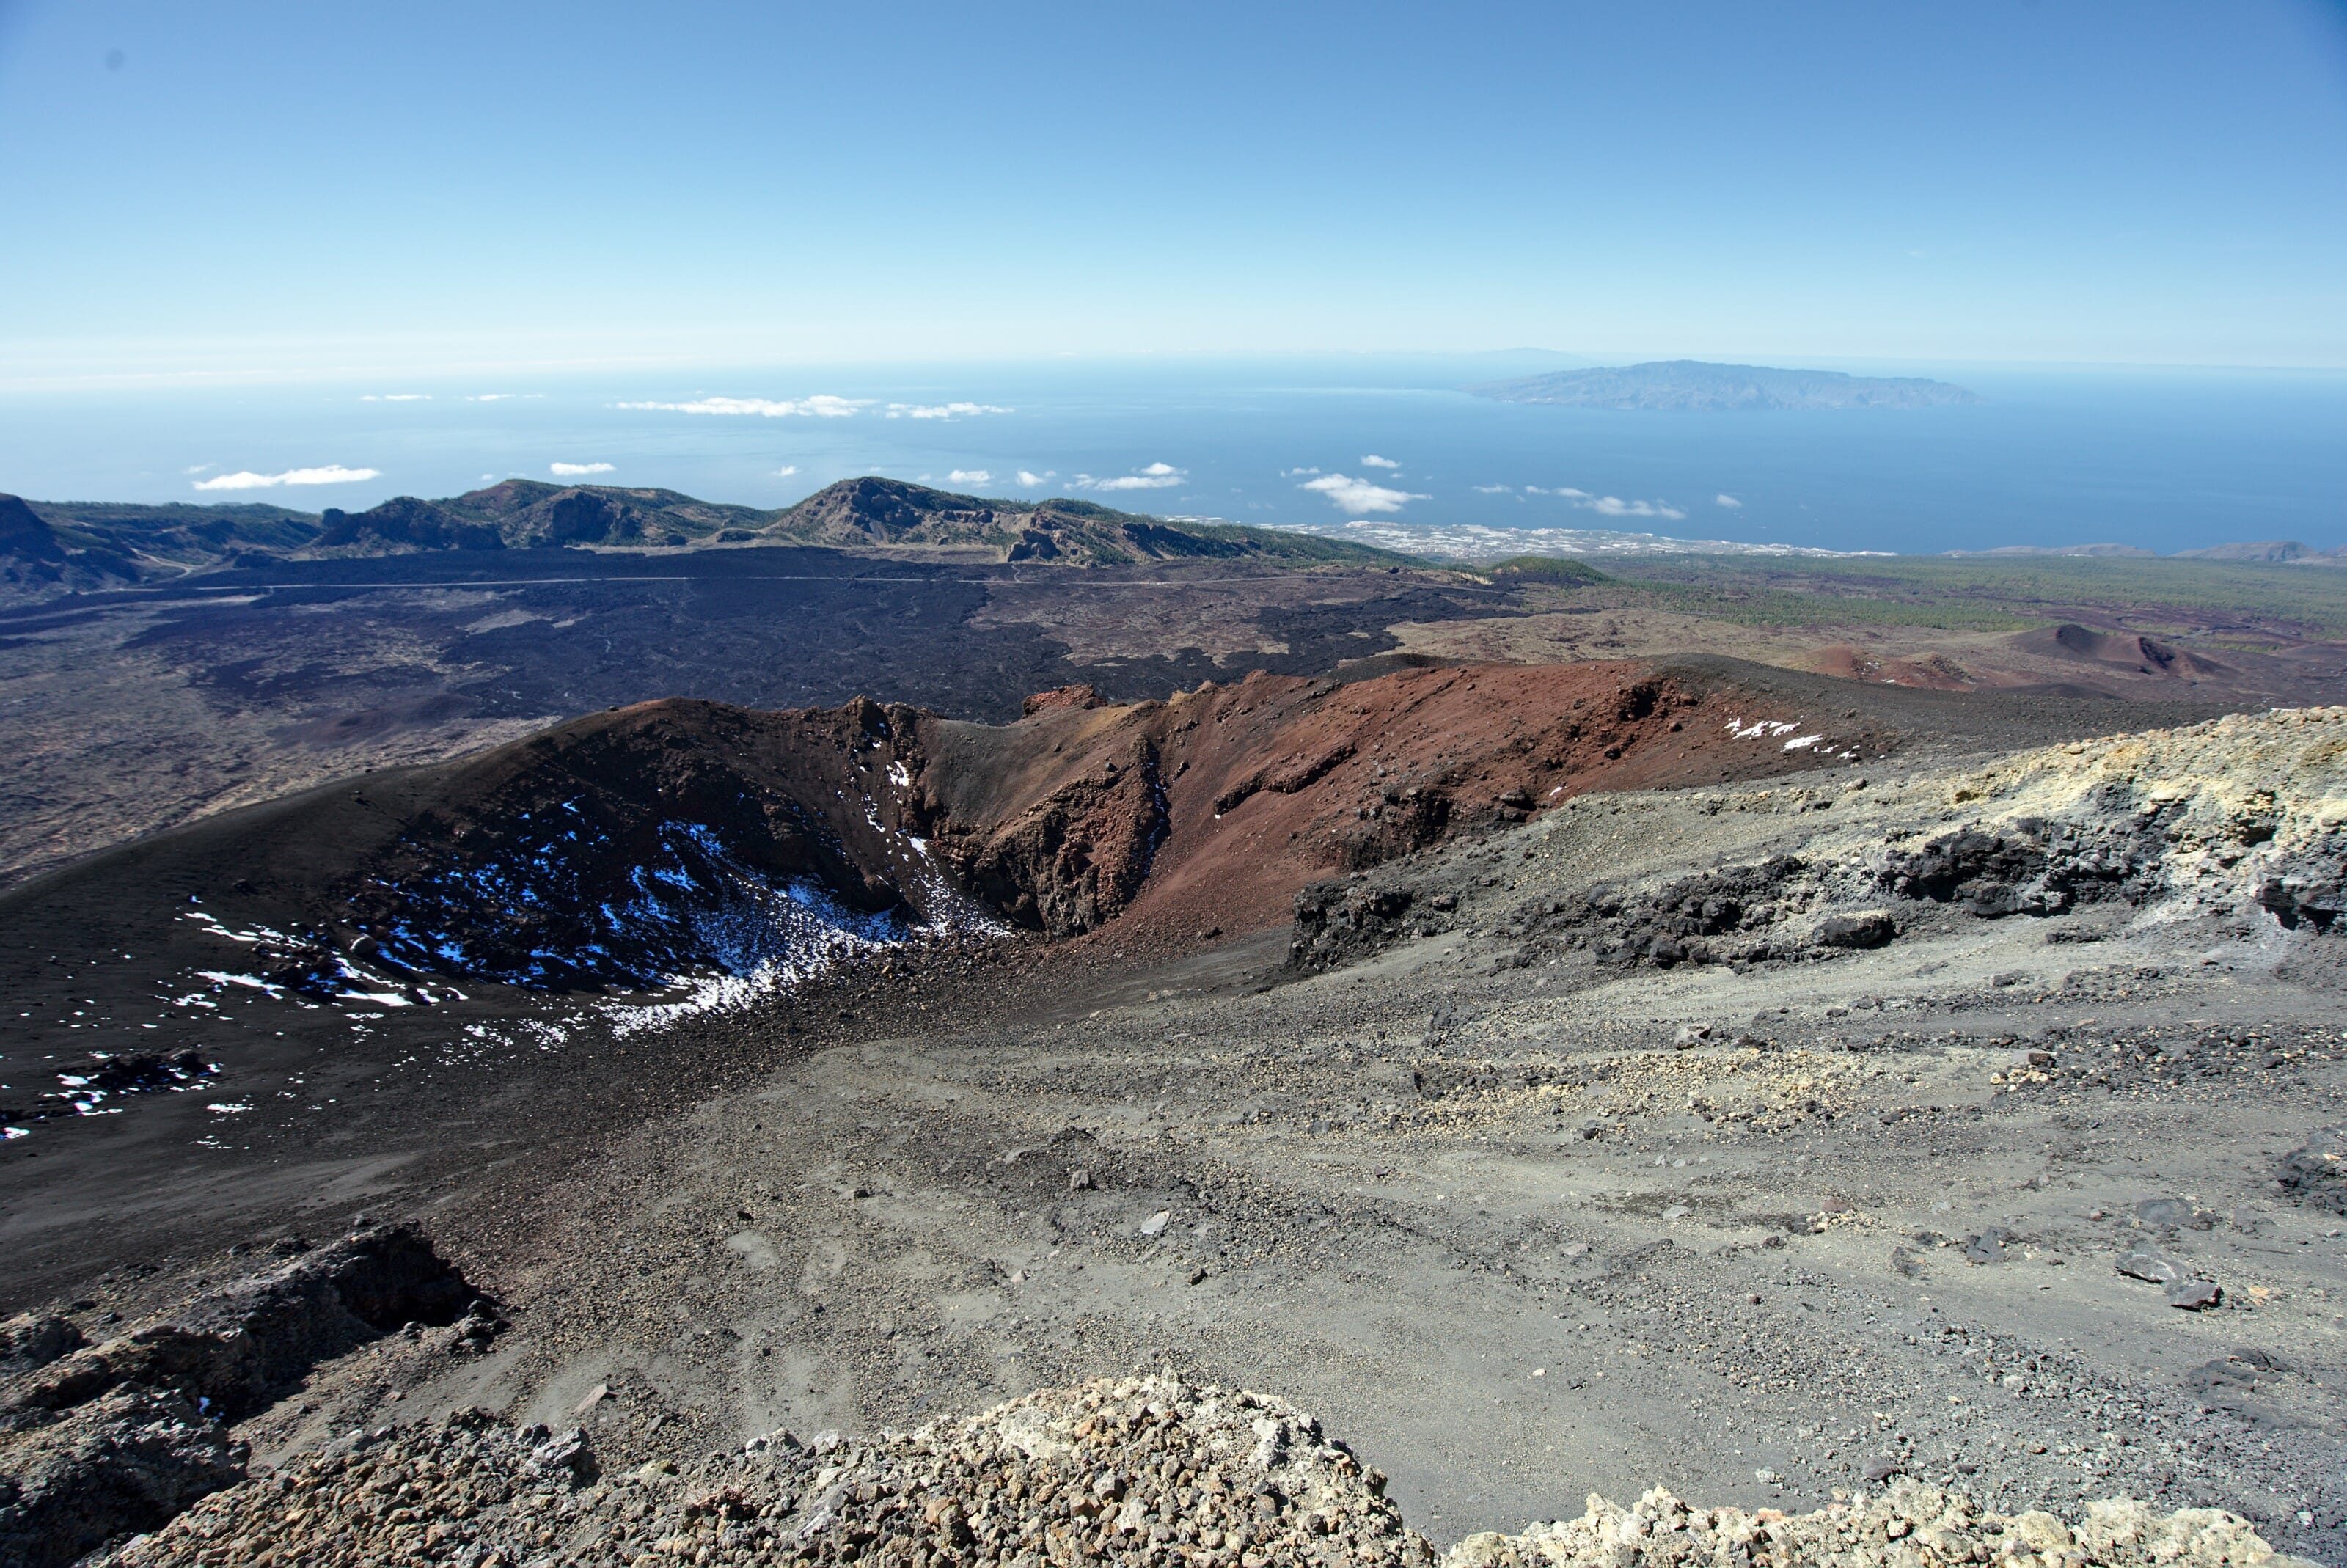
[1135, 1471]
[2246, 815]
[99, 1440]
[238, 1347]
[126, 1460]
[1138, 1470]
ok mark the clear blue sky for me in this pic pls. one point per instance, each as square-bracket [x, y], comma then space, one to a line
[301, 187]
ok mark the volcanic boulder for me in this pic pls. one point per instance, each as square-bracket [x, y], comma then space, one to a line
[2315, 1173]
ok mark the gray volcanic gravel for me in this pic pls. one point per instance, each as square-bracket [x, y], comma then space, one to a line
[1522, 1208]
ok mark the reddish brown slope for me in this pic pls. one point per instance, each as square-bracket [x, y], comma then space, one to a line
[1213, 808]
[662, 839]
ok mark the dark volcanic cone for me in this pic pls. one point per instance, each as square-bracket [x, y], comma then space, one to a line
[661, 840]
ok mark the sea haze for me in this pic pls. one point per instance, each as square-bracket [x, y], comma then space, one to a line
[2166, 459]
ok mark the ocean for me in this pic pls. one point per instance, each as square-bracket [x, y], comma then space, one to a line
[2166, 459]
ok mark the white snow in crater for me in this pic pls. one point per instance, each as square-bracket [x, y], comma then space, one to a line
[251, 982]
[772, 939]
[1772, 730]
[345, 979]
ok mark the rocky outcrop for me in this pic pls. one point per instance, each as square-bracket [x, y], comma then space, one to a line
[2244, 816]
[1908, 1523]
[2247, 812]
[33, 1339]
[1143, 1470]
[2316, 1171]
[104, 1077]
[238, 1348]
[97, 1441]
[1073, 860]
[1139, 1469]
[1337, 920]
[127, 1461]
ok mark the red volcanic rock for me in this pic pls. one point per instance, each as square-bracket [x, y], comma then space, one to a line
[1061, 697]
[1227, 799]
[677, 836]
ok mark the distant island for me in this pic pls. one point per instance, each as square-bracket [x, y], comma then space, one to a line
[1680, 385]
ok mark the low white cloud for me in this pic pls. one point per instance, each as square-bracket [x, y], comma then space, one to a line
[200, 468]
[969, 476]
[496, 396]
[572, 468]
[1493, 490]
[1359, 495]
[398, 397]
[1374, 461]
[245, 479]
[1156, 476]
[1293, 472]
[1615, 507]
[1730, 502]
[1607, 506]
[786, 470]
[1029, 480]
[941, 410]
[822, 406]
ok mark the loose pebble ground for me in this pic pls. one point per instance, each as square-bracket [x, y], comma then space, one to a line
[1151, 1470]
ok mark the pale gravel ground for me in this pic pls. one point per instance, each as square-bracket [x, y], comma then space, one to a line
[1476, 1201]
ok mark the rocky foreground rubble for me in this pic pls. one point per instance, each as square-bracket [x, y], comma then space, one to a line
[1908, 1526]
[96, 1440]
[1145, 1469]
